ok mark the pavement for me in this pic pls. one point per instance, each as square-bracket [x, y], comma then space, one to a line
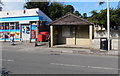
[26, 46]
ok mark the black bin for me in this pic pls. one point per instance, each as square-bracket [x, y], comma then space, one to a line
[104, 44]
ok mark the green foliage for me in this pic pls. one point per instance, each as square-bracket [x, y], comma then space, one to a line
[43, 6]
[101, 18]
[101, 3]
[115, 17]
[77, 13]
[68, 8]
[55, 10]
[84, 15]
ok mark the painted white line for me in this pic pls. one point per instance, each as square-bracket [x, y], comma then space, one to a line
[5, 60]
[105, 68]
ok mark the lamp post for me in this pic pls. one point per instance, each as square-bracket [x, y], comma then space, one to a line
[108, 23]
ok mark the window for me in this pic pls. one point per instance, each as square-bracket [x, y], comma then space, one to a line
[6, 26]
[17, 25]
[12, 25]
[1, 26]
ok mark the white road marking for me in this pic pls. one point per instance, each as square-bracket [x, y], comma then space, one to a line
[5, 60]
[85, 66]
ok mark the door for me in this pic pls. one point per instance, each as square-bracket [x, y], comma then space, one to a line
[26, 32]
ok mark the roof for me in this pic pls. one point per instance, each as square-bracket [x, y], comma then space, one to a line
[71, 19]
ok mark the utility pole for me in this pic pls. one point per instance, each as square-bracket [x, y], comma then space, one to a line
[108, 23]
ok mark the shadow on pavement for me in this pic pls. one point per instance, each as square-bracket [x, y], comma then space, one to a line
[5, 72]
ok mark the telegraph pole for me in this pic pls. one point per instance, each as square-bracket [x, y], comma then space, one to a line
[108, 23]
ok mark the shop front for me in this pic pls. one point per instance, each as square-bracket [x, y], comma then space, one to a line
[9, 29]
[22, 24]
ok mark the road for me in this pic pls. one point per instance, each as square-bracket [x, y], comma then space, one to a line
[36, 62]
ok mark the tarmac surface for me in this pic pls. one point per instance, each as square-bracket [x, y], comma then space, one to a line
[26, 46]
[25, 58]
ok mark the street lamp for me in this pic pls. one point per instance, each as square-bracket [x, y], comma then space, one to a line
[108, 23]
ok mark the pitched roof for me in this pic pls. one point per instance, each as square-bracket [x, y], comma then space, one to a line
[71, 19]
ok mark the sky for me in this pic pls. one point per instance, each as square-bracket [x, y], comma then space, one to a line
[82, 7]
[87, 7]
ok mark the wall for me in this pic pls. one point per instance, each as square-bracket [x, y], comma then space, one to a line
[101, 32]
[115, 44]
[83, 42]
[114, 35]
[82, 36]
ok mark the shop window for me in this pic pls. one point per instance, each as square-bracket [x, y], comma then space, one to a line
[17, 25]
[6, 26]
[12, 26]
[1, 26]
[28, 30]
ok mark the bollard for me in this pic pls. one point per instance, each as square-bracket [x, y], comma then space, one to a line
[36, 42]
[12, 40]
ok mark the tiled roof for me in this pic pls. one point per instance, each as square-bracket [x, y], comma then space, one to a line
[71, 19]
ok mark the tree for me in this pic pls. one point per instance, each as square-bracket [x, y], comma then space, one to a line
[118, 6]
[101, 18]
[115, 17]
[68, 8]
[43, 6]
[94, 17]
[55, 10]
[77, 13]
[94, 12]
[84, 15]
[101, 3]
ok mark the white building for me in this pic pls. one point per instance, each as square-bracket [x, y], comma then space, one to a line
[21, 23]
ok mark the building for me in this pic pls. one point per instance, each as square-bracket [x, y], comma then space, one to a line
[71, 31]
[22, 24]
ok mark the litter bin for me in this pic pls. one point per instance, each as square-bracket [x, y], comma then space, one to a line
[46, 35]
[41, 37]
[104, 44]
